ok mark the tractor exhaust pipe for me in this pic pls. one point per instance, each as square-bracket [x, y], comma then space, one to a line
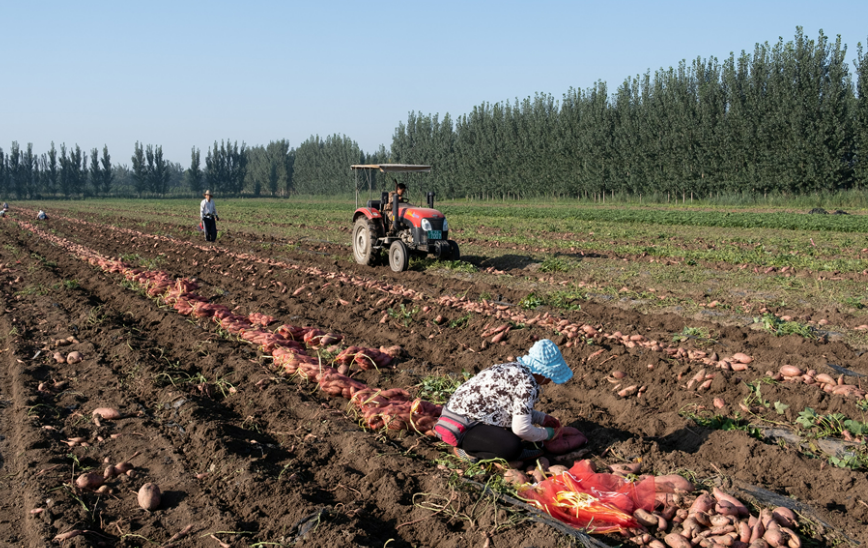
[431, 199]
[395, 213]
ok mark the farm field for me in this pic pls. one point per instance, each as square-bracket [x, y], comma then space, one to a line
[667, 297]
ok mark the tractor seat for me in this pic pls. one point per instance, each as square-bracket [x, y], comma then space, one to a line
[374, 204]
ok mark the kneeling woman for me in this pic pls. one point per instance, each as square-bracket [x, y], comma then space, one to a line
[492, 414]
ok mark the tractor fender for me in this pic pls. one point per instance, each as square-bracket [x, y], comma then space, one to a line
[368, 212]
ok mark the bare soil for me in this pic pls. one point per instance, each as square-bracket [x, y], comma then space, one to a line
[251, 457]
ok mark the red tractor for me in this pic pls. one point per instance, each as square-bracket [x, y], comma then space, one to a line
[398, 227]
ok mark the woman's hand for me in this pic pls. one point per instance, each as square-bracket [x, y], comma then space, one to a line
[552, 422]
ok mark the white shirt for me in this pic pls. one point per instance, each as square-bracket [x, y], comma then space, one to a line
[207, 208]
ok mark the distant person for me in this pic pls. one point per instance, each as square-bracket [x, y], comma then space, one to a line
[5, 206]
[41, 216]
[208, 216]
[2, 212]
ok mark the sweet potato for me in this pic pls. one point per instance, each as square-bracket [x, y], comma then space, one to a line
[744, 531]
[784, 517]
[514, 477]
[674, 540]
[107, 413]
[123, 467]
[690, 528]
[672, 483]
[722, 497]
[825, 379]
[646, 519]
[775, 537]
[702, 518]
[742, 358]
[793, 540]
[68, 535]
[569, 440]
[791, 371]
[149, 496]
[630, 468]
[703, 503]
[89, 481]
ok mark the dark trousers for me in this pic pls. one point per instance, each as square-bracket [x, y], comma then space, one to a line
[492, 442]
[210, 226]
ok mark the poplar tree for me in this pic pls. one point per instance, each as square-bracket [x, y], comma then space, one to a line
[107, 173]
[139, 171]
[194, 173]
[95, 172]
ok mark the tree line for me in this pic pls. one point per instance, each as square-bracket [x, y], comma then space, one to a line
[787, 118]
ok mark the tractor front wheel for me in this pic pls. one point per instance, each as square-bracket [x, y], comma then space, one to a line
[399, 256]
[364, 234]
[454, 252]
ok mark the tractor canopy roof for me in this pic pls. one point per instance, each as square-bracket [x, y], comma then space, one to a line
[394, 168]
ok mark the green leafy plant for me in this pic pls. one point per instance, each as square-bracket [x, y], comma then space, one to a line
[719, 422]
[822, 425]
[457, 266]
[438, 388]
[404, 314]
[849, 460]
[530, 302]
[460, 323]
[774, 324]
[856, 428]
[755, 395]
[693, 333]
[565, 300]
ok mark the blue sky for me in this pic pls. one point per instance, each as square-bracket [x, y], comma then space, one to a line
[186, 73]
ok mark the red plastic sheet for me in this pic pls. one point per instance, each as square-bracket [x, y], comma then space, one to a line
[597, 503]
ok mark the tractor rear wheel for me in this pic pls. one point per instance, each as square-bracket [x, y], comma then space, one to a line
[455, 253]
[364, 234]
[399, 256]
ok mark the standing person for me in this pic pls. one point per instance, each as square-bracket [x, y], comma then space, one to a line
[492, 415]
[209, 217]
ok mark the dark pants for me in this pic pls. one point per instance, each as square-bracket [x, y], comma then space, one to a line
[210, 226]
[492, 442]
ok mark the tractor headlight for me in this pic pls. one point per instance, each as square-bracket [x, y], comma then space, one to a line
[445, 226]
[426, 225]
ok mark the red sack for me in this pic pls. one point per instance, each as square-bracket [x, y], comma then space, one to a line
[584, 499]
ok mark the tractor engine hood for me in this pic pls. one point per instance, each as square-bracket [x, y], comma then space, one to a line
[414, 215]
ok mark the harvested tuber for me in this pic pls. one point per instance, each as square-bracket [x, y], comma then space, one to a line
[672, 483]
[784, 516]
[123, 467]
[73, 357]
[107, 413]
[645, 518]
[89, 481]
[149, 496]
[625, 469]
